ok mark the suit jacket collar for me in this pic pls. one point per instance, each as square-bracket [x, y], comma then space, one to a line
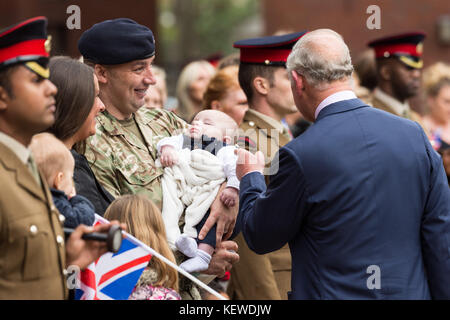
[341, 106]
[335, 97]
[23, 175]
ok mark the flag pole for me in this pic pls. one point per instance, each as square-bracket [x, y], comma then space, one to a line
[173, 265]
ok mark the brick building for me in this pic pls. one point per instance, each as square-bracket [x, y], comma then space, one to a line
[64, 41]
[349, 17]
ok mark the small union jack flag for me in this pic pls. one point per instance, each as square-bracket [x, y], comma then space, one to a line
[114, 275]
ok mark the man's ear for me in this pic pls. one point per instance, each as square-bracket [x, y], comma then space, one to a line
[298, 81]
[261, 85]
[4, 98]
[385, 72]
[101, 73]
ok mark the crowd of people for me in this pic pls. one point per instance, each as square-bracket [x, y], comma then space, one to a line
[279, 174]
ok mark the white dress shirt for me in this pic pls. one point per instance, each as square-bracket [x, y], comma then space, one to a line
[335, 97]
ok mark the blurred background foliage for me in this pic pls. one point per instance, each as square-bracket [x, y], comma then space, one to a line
[197, 29]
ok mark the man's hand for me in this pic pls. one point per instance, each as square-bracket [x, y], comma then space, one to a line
[81, 252]
[223, 258]
[248, 162]
[72, 194]
[224, 216]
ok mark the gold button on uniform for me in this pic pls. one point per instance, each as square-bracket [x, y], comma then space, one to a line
[62, 218]
[59, 239]
[33, 229]
[251, 123]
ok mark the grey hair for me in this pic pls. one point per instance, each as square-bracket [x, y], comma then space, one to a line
[322, 57]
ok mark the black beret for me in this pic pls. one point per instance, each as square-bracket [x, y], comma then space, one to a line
[117, 41]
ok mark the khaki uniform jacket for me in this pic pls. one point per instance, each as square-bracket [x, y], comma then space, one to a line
[261, 277]
[32, 252]
[414, 116]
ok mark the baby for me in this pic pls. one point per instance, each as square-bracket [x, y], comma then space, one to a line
[57, 164]
[211, 130]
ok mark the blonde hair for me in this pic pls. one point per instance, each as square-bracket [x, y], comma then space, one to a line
[435, 77]
[161, 84]
[51, 156]
[186, 107]
[144, 221]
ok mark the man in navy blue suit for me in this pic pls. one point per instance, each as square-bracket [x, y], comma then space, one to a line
[361, 197]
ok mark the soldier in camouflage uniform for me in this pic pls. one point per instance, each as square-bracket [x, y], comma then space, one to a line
[264, 79]
[124, 160]
[123, 152]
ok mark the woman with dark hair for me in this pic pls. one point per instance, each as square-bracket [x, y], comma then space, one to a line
[77, 105]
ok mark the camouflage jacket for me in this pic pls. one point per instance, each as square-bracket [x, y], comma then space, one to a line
[119, 159]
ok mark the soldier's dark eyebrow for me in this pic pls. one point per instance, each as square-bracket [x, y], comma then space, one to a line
[139, 63]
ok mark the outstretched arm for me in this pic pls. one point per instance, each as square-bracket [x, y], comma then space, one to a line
[270, 218]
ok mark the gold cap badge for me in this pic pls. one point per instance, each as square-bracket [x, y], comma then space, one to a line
[48, 44]
[419, 48]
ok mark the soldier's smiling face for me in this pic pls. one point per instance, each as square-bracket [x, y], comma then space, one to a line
[128, 83]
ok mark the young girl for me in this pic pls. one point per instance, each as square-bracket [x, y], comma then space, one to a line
[144, 221]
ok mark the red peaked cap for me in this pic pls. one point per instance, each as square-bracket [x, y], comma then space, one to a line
[271, 50]
[25, 42]
[409, 46]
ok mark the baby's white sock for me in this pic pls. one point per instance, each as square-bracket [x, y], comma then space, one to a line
[187, 245]
[199, 263]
